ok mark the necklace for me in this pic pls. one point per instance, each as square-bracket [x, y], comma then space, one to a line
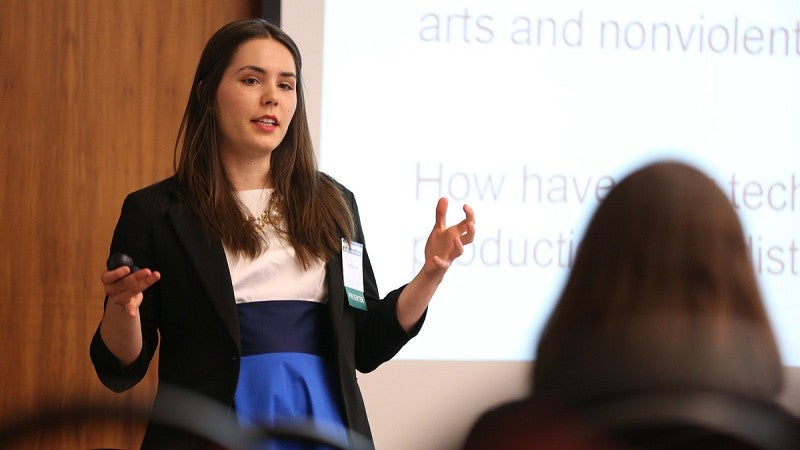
[271, 214]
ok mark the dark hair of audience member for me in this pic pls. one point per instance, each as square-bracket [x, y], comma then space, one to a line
[662, 295]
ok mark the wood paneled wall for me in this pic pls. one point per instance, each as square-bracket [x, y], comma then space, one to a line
[91, 96]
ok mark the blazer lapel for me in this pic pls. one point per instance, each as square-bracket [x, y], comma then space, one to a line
[208, 258]
[335, 290]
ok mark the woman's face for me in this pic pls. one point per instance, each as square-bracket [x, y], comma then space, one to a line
[256, 99]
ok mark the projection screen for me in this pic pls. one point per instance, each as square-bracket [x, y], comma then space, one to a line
[529, 111]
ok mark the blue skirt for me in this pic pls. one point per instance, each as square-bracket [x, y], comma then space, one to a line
[285, 374]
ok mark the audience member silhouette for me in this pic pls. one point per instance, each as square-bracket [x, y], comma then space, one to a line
[660, 338]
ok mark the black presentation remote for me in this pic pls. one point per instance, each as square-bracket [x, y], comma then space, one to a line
[117, 260]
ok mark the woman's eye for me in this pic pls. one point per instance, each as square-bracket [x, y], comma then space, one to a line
[286, 86]
[250, 81]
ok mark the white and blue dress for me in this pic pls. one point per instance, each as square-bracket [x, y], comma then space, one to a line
[286, 372]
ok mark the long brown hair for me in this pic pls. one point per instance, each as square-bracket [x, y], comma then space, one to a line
[315, 211]
[662, 294]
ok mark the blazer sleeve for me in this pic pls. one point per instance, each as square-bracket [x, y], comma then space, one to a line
[133, 236]
[379, 335]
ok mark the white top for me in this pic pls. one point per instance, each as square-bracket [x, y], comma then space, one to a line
[275, 274]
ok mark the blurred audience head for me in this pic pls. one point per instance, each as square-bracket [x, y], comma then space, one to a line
[662, 295]
[660, 339]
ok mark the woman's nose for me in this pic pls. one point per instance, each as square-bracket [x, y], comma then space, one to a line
[269, 96]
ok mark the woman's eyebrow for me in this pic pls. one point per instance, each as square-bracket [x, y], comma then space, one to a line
[262, 70]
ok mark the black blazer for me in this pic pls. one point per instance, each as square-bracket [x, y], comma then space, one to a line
[192, 309]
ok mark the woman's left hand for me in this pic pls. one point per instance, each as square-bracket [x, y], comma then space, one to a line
[445, 244]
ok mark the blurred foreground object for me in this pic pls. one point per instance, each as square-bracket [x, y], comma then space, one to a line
[195, 423]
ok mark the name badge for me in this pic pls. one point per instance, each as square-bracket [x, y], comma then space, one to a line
[353, 270]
